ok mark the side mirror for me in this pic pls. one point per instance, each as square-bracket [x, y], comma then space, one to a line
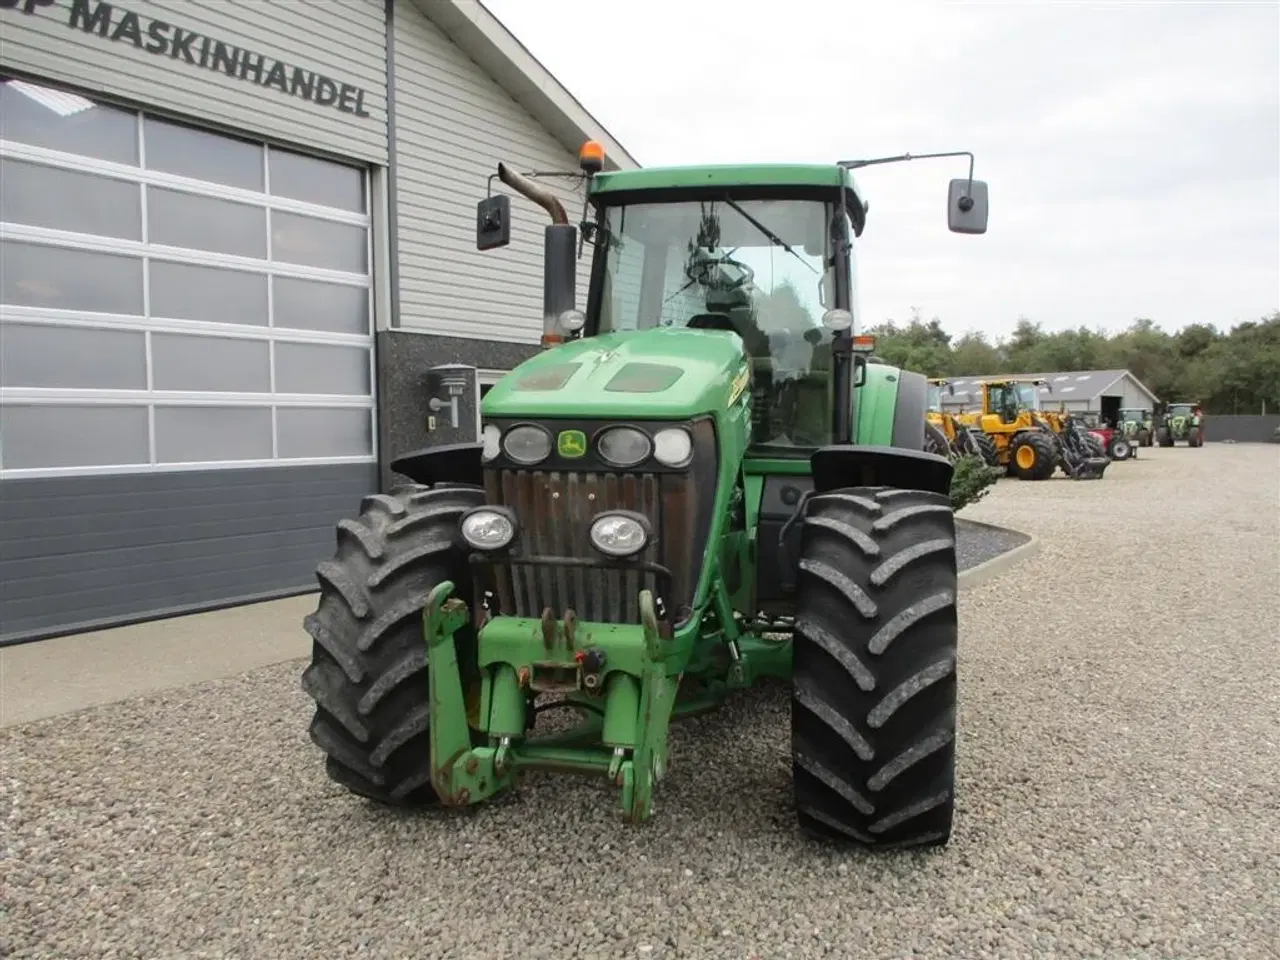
[493, 222]
[967, 206]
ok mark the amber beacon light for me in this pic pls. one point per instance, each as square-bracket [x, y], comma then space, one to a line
[591, 157]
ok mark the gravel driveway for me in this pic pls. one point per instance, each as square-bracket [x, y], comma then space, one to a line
[1118, 792]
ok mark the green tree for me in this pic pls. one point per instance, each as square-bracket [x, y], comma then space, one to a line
[1236, 371]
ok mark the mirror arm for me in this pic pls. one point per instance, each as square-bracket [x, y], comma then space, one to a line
[965, 203]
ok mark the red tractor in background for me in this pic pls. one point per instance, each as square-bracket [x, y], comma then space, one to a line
[1110, 442]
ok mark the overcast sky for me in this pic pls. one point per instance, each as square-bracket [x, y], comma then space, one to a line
[1132, 149]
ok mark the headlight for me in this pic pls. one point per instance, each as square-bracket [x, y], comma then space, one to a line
[491, 436]
[624, 446]
[572, 320]
[619, 534]
[485, 528]
[527, 444]
[673, 447]
[837, 319]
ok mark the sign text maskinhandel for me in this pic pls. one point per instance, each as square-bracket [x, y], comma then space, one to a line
[200, 50]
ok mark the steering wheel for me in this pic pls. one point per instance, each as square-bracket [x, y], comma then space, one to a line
[700, 270]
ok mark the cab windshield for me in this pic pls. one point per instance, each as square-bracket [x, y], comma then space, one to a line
[935, 398]
[1028, 396]
[1010, 398]
[763, 268]
[1181, 410]
[1136, 416]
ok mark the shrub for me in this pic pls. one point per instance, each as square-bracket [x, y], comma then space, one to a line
[970, 481]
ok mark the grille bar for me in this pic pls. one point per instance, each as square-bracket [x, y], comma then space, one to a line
[555, 510]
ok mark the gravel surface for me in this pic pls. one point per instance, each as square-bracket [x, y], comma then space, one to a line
[977, 543]
[1118, 790]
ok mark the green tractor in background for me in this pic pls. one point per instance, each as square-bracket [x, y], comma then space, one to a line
[1137, 426]
[1181, 422]
[702, 481]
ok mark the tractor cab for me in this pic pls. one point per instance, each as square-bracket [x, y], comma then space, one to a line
[770, 267]
[936, 386]
[1011, 400]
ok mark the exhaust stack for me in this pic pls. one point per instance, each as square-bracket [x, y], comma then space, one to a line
[559, 262]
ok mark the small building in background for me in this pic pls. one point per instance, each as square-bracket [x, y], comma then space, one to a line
[1105, 392]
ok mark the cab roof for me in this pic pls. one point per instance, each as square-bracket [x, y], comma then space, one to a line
[712, 176]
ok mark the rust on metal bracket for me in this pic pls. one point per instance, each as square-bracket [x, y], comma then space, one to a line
[548, 628]
[440, 778]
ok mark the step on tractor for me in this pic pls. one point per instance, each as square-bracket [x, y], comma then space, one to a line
[1181, 422]
[960, 438]
[700, 482]
[1030, 443]
[1138, 426]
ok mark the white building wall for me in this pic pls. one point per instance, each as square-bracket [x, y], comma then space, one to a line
[313, 74]
[453, 124]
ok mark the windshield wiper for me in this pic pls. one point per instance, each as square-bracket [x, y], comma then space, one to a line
[773, 237]
[692, 281]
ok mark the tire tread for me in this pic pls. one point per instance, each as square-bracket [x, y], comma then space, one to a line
[874, 681]
[368, 676]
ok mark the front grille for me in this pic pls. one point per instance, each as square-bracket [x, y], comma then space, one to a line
[555, 509]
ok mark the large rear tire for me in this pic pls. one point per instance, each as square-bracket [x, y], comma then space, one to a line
[1032, 456]
[873, 706]
[368, 670]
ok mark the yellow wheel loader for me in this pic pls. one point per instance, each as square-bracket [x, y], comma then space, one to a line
[1029, 444]
[962, 438]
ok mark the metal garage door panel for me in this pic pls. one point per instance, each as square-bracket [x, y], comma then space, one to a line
[81, 551]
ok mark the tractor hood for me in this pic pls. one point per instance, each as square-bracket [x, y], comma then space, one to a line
[663, 373]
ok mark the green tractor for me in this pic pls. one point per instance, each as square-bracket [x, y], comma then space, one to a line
[702, 481]
[1181, 422]
[1137, 426]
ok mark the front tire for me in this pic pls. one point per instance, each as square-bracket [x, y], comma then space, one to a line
[986, 446]
[368, 670]
[935, 441]
[1032, 456]
[1120, 449]
[873, 706]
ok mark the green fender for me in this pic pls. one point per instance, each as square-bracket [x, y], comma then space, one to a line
[889, 408]
[888, 438]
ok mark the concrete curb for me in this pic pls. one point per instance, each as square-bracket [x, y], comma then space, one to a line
[990, 569]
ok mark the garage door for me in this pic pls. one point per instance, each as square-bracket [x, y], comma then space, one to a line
[186, 385]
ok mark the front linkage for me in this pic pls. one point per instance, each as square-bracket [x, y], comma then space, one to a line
[630, 723]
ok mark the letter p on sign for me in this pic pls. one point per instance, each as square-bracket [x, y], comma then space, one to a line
[28, 6]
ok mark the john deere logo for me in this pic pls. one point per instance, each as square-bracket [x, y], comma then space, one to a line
[571, 444]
